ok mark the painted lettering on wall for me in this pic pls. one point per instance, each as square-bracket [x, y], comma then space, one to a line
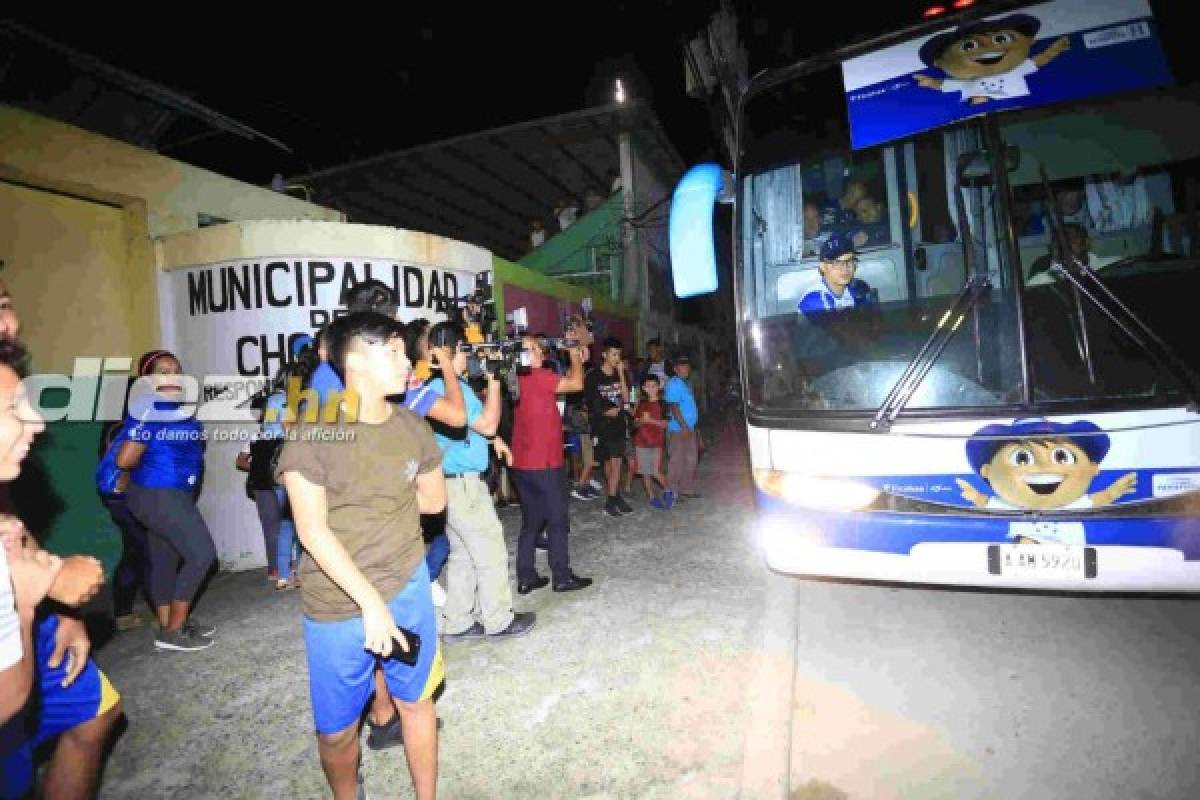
[261, 308]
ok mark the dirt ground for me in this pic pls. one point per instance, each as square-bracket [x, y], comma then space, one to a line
[635, 687]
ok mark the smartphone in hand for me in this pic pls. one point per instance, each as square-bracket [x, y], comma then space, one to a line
[414, 648]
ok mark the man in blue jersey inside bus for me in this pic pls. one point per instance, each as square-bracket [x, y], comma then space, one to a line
[839, 289]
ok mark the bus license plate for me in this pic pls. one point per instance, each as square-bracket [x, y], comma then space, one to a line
[1042, 560]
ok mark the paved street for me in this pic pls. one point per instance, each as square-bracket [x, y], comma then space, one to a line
[930, 693]
[671, 678]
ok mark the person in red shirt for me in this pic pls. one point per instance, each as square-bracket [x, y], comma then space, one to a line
[537, 464]
[650, 433]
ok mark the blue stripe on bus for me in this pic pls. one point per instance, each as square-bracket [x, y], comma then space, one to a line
[890, 532]
[944, 489]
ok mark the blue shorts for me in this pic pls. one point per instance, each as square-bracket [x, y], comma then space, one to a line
[52, 710]
[341, 673]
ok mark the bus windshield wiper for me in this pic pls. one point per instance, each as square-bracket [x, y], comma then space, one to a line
[904, 388]
[968, 297]
[1085, 282]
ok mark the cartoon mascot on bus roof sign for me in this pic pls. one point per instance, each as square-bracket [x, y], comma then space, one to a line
[987, 59]
[1039, 465]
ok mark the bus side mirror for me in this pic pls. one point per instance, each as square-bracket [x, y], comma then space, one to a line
[693, 248]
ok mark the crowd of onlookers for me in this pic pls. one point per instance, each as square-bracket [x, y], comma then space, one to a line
[375, 477]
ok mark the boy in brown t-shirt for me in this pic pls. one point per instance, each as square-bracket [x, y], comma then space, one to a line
[357, 488]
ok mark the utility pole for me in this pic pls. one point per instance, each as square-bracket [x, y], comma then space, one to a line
[632, 276]
[715, 72]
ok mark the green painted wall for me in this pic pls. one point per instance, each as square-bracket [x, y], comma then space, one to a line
[571, 251]
[506, 273]
[55, 495]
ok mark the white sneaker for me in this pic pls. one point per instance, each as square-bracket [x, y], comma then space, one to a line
[597, 485]
[439, 594]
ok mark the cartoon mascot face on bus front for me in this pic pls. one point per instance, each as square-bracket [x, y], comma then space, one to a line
[988, 59]
[1040, 465]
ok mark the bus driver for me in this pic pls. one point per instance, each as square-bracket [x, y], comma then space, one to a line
[839, 288]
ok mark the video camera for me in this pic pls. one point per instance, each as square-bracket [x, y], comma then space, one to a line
[500, 359]
[505, 356]
[503, 360]
[496, 358]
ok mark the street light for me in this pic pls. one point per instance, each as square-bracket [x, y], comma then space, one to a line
[620, 93]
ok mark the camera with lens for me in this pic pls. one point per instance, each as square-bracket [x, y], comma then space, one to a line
[504, 360]
[500, 359]
[496, 358]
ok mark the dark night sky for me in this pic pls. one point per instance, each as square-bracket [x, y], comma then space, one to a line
[340, 89]
[336, 90]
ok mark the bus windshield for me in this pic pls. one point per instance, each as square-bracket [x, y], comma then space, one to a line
[849, 260]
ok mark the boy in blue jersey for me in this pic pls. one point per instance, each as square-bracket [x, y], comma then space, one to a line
[478, 597]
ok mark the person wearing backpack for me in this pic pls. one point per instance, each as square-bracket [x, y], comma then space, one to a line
[162, 448]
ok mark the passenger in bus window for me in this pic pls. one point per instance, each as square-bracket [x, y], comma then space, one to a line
[871, 230]
[1078, 242]
[837, 214]
[839, 288]
[813, 234]
[1071, 201]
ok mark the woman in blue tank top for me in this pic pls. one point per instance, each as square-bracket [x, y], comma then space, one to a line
[162, 448]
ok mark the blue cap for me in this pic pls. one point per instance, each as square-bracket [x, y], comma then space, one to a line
[300, 342]
[986, 441]
[836, 246]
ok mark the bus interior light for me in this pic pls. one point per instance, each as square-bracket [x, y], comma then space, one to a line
[828, 494]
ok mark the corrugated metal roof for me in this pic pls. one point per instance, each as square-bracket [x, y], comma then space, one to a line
[487, 187]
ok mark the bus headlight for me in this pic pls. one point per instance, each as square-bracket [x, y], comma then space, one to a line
[827, 494]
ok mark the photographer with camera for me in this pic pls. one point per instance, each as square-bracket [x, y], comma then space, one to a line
[537, 463]
[478, 597]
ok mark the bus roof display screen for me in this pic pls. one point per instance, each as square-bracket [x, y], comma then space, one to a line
[1040, 55]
